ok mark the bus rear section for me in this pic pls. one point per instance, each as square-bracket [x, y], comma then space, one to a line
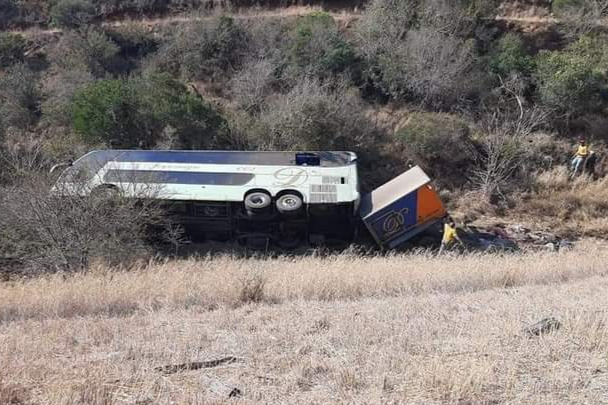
[401, 209]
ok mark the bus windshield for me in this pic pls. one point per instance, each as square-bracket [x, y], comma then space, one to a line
[85, 168]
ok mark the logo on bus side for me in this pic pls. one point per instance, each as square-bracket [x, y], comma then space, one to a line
[290, 177]
[394, 222]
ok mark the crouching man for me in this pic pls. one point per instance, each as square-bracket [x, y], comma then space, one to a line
[450, 236]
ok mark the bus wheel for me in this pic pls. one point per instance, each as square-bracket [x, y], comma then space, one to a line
[289, 203]
[257, 202]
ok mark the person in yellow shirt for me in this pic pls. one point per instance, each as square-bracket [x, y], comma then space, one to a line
[450, 236]
[578, 162]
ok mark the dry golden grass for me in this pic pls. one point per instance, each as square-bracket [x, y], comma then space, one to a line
[575, 207]
[569, 208]
[413, 329]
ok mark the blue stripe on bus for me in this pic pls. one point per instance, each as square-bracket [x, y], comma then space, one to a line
[173, 177]
[183, 157]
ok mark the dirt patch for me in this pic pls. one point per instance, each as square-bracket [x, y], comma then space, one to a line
[530, 10]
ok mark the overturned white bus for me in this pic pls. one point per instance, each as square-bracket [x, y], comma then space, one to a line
[287, 197]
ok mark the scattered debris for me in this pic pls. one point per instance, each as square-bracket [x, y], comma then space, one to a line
[513, 237]
[197, 365]
[547, 325]
[497, 244]
[223, 390]
[518, 229]
[488, 239]
[551, 247]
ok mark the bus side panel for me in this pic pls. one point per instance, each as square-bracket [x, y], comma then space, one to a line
[391, 221]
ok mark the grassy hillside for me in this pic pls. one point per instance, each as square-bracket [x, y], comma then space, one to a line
[401, 329]
[490, 109]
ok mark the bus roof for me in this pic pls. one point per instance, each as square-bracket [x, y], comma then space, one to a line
[327, 159]
[392, 191]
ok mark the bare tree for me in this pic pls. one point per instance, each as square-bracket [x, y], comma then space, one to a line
[383, 24]
[455, 17]
[59, 90]
[68, 229]
[21, 154]
[19, 97]
[501, 154]
[253, 84]
[418, 49]
[437, 66]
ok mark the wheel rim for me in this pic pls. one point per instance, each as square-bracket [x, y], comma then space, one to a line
[257, 200]
[290, 202]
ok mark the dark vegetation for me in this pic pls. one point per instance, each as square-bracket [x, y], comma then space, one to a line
[432, 82]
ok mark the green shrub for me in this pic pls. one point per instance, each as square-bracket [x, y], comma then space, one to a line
[311, 116]
[12, 48]
[510, 57]
[88, 50]
[571, 80]
[318, 48]
[209, 50]
[106, 111]
[72, 14]
[166, 103]
[439, 142]
[127, 112]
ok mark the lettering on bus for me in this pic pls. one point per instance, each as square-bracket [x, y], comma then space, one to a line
[290, 177]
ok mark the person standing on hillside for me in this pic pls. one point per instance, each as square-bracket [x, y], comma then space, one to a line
[450, 236]
[578, 162]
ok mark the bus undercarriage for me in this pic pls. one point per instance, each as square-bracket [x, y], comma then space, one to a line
[317, 224]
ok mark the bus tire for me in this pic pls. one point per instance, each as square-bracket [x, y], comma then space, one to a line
[257, 201]
[289, 203]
